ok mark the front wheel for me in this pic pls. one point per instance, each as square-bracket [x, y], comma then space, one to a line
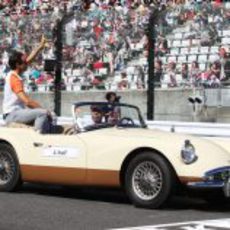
[9, 169]
[149, 180]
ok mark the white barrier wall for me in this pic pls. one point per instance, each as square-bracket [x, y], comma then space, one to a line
[194, 128]
[170, 104]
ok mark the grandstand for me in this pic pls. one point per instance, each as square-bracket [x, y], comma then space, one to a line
[109, 40]
[188, 44]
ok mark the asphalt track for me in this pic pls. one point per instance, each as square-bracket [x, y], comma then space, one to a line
[37, 207]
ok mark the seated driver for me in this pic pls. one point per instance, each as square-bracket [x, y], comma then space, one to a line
[97, 115]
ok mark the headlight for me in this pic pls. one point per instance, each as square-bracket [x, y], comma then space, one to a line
[188, 153]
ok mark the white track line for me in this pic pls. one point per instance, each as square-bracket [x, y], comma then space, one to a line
[191, 225]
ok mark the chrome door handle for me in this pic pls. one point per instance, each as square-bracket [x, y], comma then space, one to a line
[38, 144]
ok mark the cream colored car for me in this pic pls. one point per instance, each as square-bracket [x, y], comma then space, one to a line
[110, 146]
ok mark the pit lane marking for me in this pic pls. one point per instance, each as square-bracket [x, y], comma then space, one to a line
[218, 224]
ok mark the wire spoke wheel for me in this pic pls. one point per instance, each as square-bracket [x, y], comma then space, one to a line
[147, 180]
[10, 178]
[7, 167]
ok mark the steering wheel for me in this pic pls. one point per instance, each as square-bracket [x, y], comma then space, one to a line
[126, 121]
[97, 126]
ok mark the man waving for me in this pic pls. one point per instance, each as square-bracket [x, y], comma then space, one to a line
[17, 105]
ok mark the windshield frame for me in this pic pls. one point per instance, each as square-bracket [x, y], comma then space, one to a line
[90, 103]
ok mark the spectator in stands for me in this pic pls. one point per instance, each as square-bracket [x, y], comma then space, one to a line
[140, 80]
[203, 19]
[123, 84]
[226, 17]
[213, 33]
[210, 78]
[51, 86]
[158, 73]
[97, 82]
[129, 20]
[215, 69]
[45, 78]
[171, 72]
[218, 22]
[87, 79]
[181, 19]
[32, 85]
[185, 75]
[225, 65]
[97, 29]
[206, 39]
[35, 73]
[162, 46]
[2, 70]
[195, 73]
[185, 72]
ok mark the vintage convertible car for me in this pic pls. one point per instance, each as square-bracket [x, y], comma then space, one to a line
[110, 145]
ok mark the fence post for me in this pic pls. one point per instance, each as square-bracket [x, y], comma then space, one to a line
[151, 60]
[58, 69]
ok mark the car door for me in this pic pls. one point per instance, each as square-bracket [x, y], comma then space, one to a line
[55, 158]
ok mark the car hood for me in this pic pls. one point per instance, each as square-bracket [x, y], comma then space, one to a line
[211, 154]
[222, 143]
[144, 133]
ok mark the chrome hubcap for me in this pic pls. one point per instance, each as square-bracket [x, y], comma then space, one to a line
[7, 167]
[147, 180]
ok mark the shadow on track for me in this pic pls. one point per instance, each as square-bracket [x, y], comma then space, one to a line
[83, 193]
[117, 196]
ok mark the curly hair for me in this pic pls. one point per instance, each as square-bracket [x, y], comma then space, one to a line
[14, 59]
[109, 95]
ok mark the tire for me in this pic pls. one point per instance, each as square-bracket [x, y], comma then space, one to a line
[10, 178]
[139, 190]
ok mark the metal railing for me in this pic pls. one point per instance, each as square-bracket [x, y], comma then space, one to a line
[193, 128]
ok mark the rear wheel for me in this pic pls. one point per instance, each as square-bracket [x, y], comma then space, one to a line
[9, 169]
[149, 180]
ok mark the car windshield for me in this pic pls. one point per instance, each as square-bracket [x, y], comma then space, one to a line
[90, 116]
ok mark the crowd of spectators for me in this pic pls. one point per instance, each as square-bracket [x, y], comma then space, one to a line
[94, 39]
[104, 38]
[202, 23]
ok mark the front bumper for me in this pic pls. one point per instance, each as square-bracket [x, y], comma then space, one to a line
[218, 178]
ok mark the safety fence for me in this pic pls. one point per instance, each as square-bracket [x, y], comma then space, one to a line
[193, 128]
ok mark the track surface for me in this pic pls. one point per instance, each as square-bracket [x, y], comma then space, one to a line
[55, 208]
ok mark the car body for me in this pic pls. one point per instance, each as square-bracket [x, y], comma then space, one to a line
[148, 164]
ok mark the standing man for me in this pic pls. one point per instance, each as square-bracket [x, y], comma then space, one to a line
[113, 111]
[17, 105]
[225, 66]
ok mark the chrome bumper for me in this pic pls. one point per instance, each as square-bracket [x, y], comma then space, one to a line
[216, 178]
